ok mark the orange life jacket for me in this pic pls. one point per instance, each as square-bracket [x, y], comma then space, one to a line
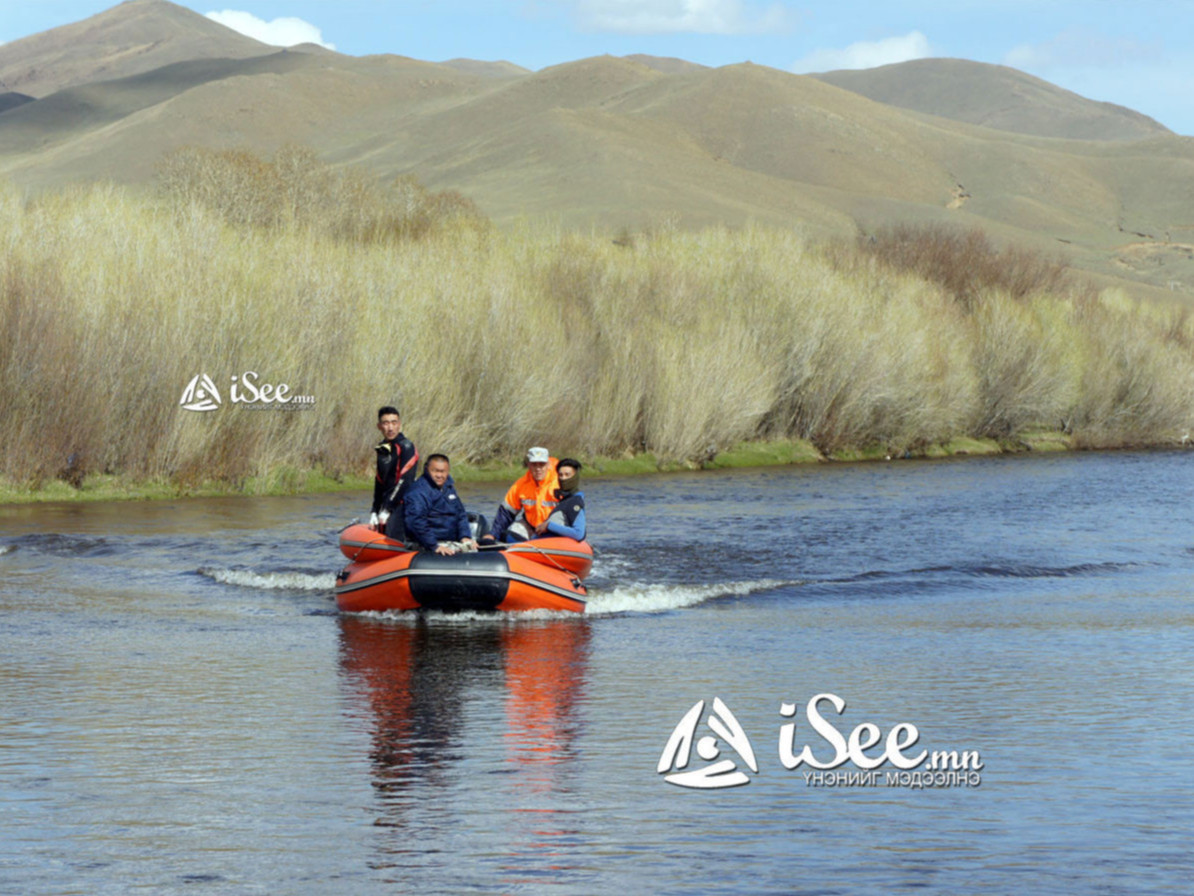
[536, 500]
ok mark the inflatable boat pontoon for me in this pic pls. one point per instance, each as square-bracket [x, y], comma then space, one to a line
[542, 574]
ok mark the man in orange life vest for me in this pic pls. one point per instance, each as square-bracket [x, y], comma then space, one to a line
[529, 502]
[397, 467]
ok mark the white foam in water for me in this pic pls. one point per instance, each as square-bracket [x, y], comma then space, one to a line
[639, 598]
[611, 566]
[644, 598]
[289, 581]
[5, 549]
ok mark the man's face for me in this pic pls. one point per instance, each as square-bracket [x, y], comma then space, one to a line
[565, 473]
[438, 471]
[538, 471]
[390, 425]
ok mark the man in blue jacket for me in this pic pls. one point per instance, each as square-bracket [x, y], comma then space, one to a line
[435, 515]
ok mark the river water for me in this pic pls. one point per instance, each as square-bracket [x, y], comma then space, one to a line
[184, 711]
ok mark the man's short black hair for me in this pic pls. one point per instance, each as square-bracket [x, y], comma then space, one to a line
[388, 409]
[442, 457]
[569, 462]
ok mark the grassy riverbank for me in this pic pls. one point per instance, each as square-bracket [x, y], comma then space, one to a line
[668, 347]
[289, 481]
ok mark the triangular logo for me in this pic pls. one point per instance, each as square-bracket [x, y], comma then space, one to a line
[200, 394]
[722, 773]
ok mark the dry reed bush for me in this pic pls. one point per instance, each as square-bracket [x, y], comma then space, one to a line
[1018, 360]
[858, 358]
[598, 289]
[36, 343]
[296, 189]
[964, 262]
[68, 347]
[681, 344]
[707, 384]
[1135, 373]
[138, 303]
[481, 351]
[661, 358]
[702, 340]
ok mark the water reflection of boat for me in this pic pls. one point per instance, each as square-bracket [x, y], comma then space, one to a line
[415, 678]
[544, 574]
[544, 665]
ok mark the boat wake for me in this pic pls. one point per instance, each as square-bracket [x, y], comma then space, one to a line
[627, 599]
[655, 598]
[635, 597]
[271, 581]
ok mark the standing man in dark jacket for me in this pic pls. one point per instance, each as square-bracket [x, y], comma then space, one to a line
[397, 467]
[435, 515]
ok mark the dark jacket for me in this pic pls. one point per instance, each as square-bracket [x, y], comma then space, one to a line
[568, 519]
[397, 462]
[435, 514]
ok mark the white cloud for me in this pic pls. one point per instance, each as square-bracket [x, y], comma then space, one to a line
[690, 16]
[282, 32]
[867, 54]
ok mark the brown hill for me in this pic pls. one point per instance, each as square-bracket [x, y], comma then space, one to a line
[13, 99]
[995, 96]
[568, 142]
[61, 117]
[624, 143]
[669, 65]
[499, 69]
[119, 129]
[134, 37]
[613, 141]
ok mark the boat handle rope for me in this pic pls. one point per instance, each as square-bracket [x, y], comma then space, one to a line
[488, 547]
[552, 560]
[366, 544]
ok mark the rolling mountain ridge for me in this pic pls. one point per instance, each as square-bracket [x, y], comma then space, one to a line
[622, 142]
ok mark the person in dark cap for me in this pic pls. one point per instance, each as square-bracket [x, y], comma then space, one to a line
[568, 518]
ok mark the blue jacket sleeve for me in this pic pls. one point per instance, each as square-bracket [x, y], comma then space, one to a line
[462, 529]
[501, 522]
[576, 530]
[418, 509]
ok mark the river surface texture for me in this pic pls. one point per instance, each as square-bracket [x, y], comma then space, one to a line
[1003, 652]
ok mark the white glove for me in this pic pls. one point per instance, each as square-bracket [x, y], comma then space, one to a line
[381, 519]
[373, 520]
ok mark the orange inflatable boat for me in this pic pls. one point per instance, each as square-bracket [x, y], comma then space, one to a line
[543, 574]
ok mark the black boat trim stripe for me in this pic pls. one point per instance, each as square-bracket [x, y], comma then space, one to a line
[510, 549]
[459, 573]
[379, 545]
[550, 552]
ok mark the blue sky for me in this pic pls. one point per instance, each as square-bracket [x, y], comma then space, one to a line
[1133, 52]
